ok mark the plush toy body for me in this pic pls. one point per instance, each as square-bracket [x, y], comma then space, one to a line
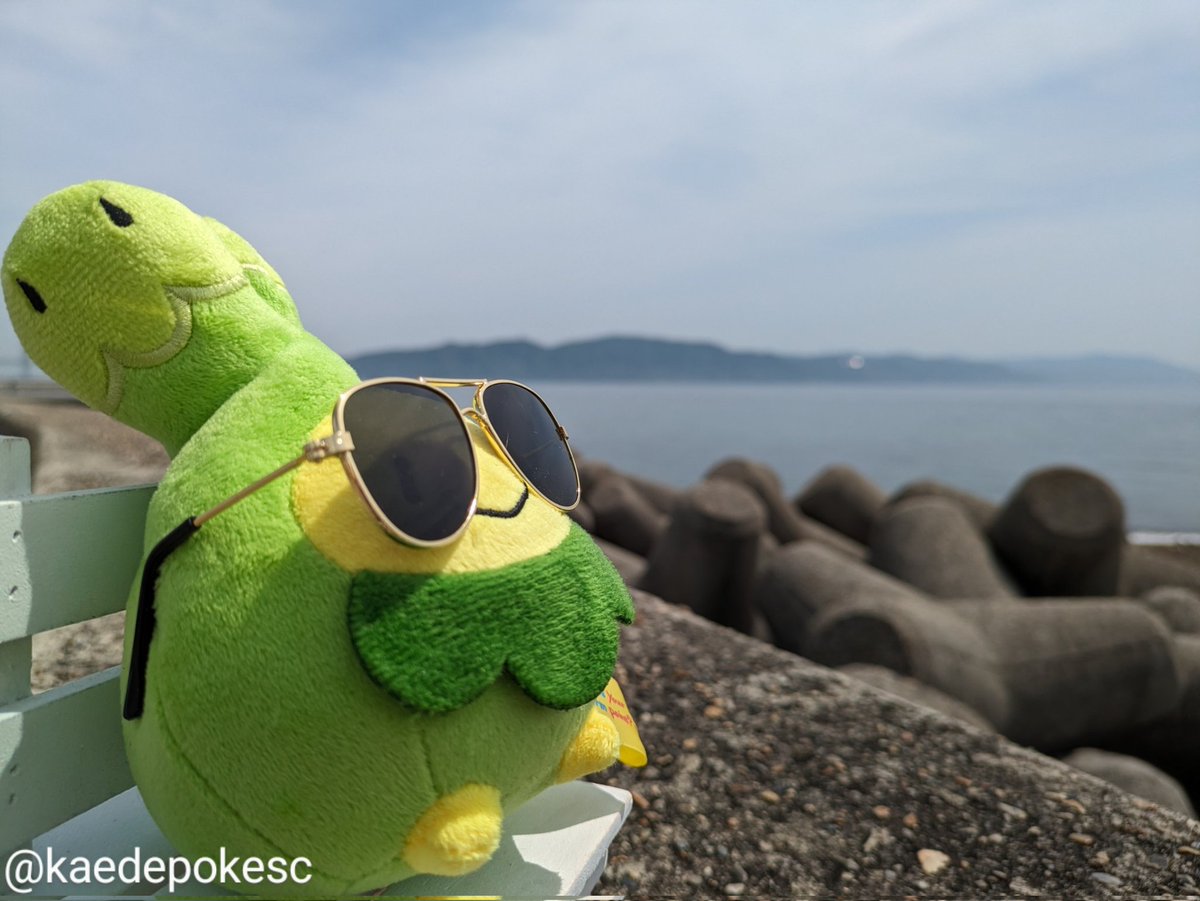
[263, 731]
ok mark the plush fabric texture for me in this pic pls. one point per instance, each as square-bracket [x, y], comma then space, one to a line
[262, 732]
[594, 748]
[458, 834]
[549, 622]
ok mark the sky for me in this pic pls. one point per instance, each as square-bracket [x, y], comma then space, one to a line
[937, 177]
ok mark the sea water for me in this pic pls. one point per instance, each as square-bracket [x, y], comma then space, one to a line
[1144, 441]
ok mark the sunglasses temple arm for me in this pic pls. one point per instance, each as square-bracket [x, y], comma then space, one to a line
[249, 490]
[143, 626]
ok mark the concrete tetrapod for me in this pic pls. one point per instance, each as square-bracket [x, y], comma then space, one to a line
[931, 544]
[706, 558]
[804, 578]
[1179, 607]
[591, 472]
[1145, 568]
[659, 496]
[1134, 775]
[918, 692]
[843, 499]
[631, 566]
[979, 510]
[1060, 533]
[583, 515]
[1172, 739]
[913, 636]
[1077, 671]
[784, 522]
[623, 516]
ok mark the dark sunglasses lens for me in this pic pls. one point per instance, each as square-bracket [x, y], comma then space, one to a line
[523, 424]
[414, 455]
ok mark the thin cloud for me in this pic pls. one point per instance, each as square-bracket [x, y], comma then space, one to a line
[935, 177]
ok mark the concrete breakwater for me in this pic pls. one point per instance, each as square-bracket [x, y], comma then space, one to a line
[770, 775]
[1037, 613]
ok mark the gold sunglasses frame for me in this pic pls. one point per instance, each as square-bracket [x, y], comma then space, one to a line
[341, 444]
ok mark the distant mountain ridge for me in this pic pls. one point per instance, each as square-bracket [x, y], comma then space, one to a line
[625, 359]
[1105, 369]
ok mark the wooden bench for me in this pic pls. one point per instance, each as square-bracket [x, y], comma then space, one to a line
[64, 780]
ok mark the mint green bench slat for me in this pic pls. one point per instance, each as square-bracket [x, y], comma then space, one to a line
[63, 754]
[78, 553]
[64, 558]
[15, 655]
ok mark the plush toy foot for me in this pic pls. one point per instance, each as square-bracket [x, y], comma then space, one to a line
[459, 833]
[593, 749]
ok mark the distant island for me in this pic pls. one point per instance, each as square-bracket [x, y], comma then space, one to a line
[630, 359]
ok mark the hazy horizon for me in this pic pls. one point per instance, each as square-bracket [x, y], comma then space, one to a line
[985, 180]
[14, 365]
[737, 349]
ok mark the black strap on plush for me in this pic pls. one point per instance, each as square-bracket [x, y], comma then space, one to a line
[143, 626]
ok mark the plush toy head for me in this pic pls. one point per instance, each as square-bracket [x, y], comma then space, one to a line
[314, 689]
[104, 283]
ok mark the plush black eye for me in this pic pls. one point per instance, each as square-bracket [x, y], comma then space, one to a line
[119, 217]
[31, 293]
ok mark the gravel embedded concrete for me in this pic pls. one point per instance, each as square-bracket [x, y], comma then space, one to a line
[770, 776]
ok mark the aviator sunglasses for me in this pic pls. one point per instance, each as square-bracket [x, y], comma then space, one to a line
[405, 448]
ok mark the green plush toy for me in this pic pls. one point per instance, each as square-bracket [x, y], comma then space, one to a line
[313, 687]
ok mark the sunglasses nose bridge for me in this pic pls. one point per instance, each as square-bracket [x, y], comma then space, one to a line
[474, 415]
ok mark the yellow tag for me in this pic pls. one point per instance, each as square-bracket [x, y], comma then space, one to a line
[612, 702]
